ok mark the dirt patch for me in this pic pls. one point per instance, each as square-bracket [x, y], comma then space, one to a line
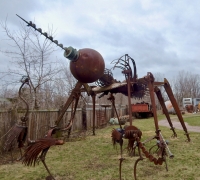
[6, 158]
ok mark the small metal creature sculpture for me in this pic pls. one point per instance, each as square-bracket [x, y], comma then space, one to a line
[87, 66]
[37, 150]
[18, 132]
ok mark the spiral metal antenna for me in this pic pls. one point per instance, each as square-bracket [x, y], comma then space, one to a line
[43, 33]
[86, 65]
[70, 53]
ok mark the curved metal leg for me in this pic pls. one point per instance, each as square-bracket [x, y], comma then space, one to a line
[137, 161]
[42, 157]
[120, 167]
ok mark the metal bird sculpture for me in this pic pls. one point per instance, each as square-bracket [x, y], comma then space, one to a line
[18, 132]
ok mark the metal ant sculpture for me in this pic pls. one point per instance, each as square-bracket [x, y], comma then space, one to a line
[87, 66]
[137, 88]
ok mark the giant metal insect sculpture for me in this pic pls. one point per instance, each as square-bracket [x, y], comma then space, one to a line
[87, 66]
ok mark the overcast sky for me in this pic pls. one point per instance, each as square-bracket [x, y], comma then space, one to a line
[162, 36]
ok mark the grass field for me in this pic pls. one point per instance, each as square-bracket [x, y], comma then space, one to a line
[94, 158]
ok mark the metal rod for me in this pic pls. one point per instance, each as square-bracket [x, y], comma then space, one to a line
[93, 117]
[170, 154]
[175, 105]
[161, 100]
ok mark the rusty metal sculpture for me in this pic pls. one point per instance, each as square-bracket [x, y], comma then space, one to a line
[87, 65]
[37, 150]
[137, 88]
[18, 132]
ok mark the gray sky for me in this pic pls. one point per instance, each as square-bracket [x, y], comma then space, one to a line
[162, 36]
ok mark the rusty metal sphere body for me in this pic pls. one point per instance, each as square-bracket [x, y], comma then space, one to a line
[89, 66]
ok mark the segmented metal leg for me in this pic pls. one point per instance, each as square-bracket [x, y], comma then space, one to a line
[42, 157]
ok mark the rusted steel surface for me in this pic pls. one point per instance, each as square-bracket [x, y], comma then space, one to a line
[89, 62]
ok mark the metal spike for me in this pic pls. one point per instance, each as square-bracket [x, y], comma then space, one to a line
[30, 23]
[51, 38]
[61, 45]
[40, 30]
[56, 42]
[45, 34]
[33, 25]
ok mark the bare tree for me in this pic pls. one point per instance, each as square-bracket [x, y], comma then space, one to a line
[30, 56]
[68, 77]
[6, 92]
[186, 85]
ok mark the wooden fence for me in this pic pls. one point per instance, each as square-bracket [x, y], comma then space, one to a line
[41, 120]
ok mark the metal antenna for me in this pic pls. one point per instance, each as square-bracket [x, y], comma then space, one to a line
[43, 33]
